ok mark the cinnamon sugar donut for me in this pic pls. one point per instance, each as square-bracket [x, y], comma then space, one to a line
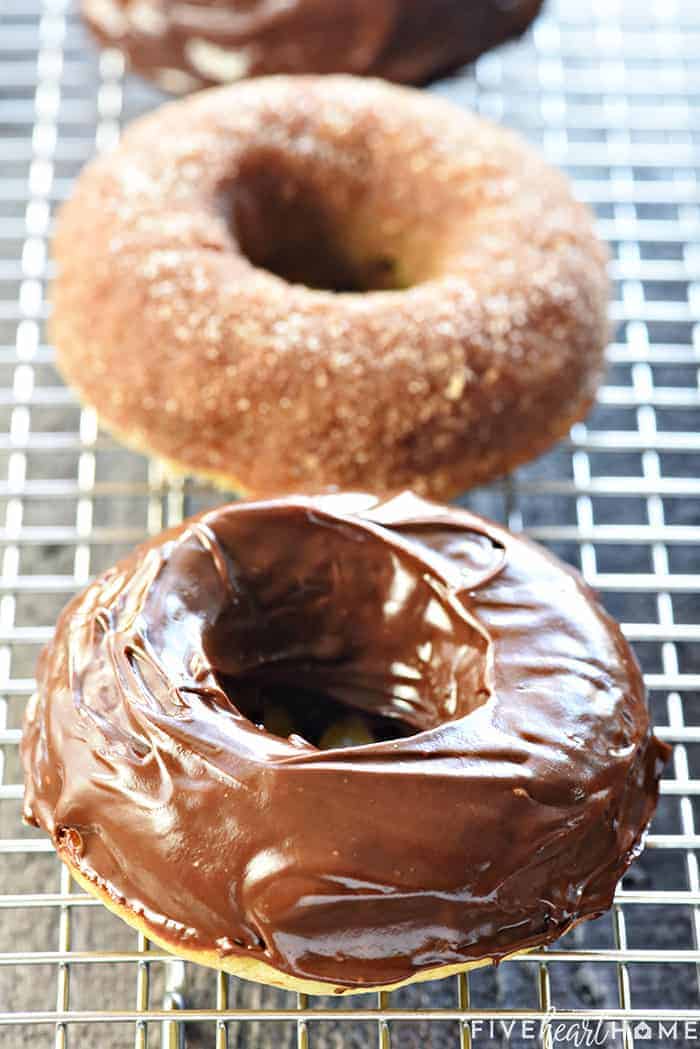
[184, 46]
[293, 283]
[503, 787]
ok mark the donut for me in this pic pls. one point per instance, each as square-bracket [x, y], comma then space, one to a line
[293, 284]
[185, 46]
[502, 782]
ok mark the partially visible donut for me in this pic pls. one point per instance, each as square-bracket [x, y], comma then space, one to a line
[183, 46]
[506, 789]
[192, 306]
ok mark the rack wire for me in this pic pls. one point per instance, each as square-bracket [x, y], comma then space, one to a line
[610, 90]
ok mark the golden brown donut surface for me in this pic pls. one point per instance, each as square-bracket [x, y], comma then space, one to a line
[187, 307]
[183, 46]
[508, 786]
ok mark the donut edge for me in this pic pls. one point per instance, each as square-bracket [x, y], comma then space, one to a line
[254, 970]
[230, 484]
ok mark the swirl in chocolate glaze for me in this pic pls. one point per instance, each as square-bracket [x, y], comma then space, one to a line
[507, 815]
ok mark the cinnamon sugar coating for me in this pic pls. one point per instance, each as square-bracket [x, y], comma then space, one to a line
[184, 46]
[480, 341]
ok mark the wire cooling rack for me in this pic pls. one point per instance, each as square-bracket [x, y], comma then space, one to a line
[610, 90]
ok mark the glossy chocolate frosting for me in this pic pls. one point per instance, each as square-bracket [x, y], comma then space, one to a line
[507, 814]
[187, 45]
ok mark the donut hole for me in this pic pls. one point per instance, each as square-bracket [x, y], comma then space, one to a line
[285, 709]
[285, 224]
[339, 638]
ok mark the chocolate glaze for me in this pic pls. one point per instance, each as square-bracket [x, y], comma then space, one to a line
[508, 814]
[403, 40]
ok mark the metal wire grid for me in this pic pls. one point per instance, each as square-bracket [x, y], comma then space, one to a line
[610, 90]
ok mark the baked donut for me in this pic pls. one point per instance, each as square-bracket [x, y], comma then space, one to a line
[184, 46]
[295, 283]
[508, 785]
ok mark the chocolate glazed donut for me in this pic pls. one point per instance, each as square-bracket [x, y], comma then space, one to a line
[509, 787]
[183, 46]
